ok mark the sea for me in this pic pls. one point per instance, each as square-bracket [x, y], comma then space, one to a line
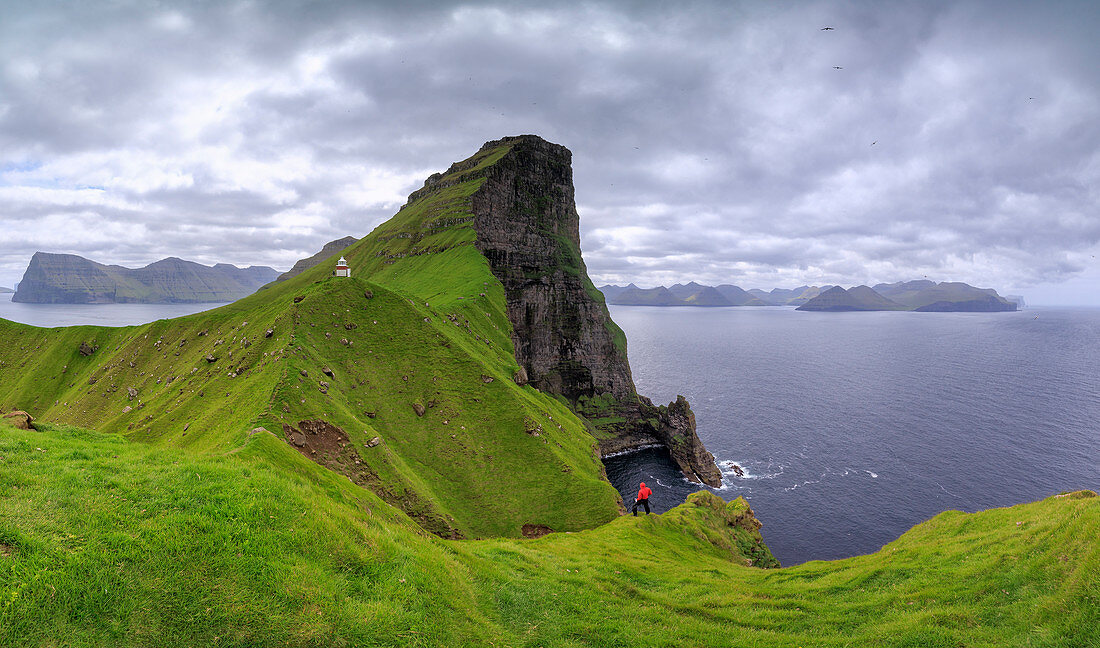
[848, 428]
[51, 315]
[851, 428]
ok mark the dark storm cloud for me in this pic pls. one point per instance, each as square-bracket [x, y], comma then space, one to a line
[712, 141]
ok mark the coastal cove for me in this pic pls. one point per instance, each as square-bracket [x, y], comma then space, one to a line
[853, 427]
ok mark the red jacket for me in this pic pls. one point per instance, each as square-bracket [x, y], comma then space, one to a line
[644, 492]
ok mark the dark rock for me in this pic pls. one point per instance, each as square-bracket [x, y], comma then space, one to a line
[269, 332]
[131, 393]
[299, 298]
[369, 294]
[419, 409]
[210, 358]
[86, 349]
[527, 227]
[20, 420]
[328, 372]
[535, 530]
[677, 430]
[486, 379]
[373, 442]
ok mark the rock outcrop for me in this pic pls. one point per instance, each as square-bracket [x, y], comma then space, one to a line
[527, 226]
[70, 279]
[20, 420]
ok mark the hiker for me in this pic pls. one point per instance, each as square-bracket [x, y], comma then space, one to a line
[642, 499]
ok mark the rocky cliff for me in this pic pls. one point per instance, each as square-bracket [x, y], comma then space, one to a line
[70, 279]
[527, 226]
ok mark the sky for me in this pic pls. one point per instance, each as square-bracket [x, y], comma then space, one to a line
[721, 142]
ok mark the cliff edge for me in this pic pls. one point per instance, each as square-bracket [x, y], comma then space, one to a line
[527, 226]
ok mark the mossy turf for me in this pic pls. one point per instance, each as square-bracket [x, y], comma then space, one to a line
[109, 542]
[421, 324]
[190, 518]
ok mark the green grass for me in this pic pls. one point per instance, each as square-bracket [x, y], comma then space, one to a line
[176, 522]
[108, 542]
[434, 332]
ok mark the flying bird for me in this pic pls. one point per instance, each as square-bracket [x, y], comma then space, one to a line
[837, 67]
[874, 142]
[826, 29]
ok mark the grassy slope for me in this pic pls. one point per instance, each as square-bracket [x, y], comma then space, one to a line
[189, 528]
[435, 326]
[107, 542]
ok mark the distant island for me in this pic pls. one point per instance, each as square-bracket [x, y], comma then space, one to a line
[694, 294]
[4, 291]
[921, 295]
[70, 279]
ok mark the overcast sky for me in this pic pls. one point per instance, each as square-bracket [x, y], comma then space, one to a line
[723, 142]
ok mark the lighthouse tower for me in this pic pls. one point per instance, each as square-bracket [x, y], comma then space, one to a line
[342, 269]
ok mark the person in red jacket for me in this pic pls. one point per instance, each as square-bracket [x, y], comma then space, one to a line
[642, 499]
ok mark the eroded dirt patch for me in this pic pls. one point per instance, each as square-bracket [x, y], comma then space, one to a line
[6, 550]
[328, 445]
[535, 530]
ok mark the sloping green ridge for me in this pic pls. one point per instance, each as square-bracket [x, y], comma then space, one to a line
[486, 457]
[106, 542]
[190, 528]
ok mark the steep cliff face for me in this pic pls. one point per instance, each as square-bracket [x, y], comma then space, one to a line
[70, 279]
[527, 226]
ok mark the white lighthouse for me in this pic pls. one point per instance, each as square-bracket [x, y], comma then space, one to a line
[342, 269]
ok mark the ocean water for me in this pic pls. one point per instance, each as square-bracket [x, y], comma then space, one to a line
[850, 427]
[853, 427]
[50, 315]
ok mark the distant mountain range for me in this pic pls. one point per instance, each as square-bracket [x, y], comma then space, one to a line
[694, 294]
[70, 279]
[922, 295]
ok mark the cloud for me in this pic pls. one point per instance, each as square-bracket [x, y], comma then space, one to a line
[712, 141]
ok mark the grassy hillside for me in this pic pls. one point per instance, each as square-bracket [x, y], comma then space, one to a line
[109, 542]
[282, 471]
[420, 327]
